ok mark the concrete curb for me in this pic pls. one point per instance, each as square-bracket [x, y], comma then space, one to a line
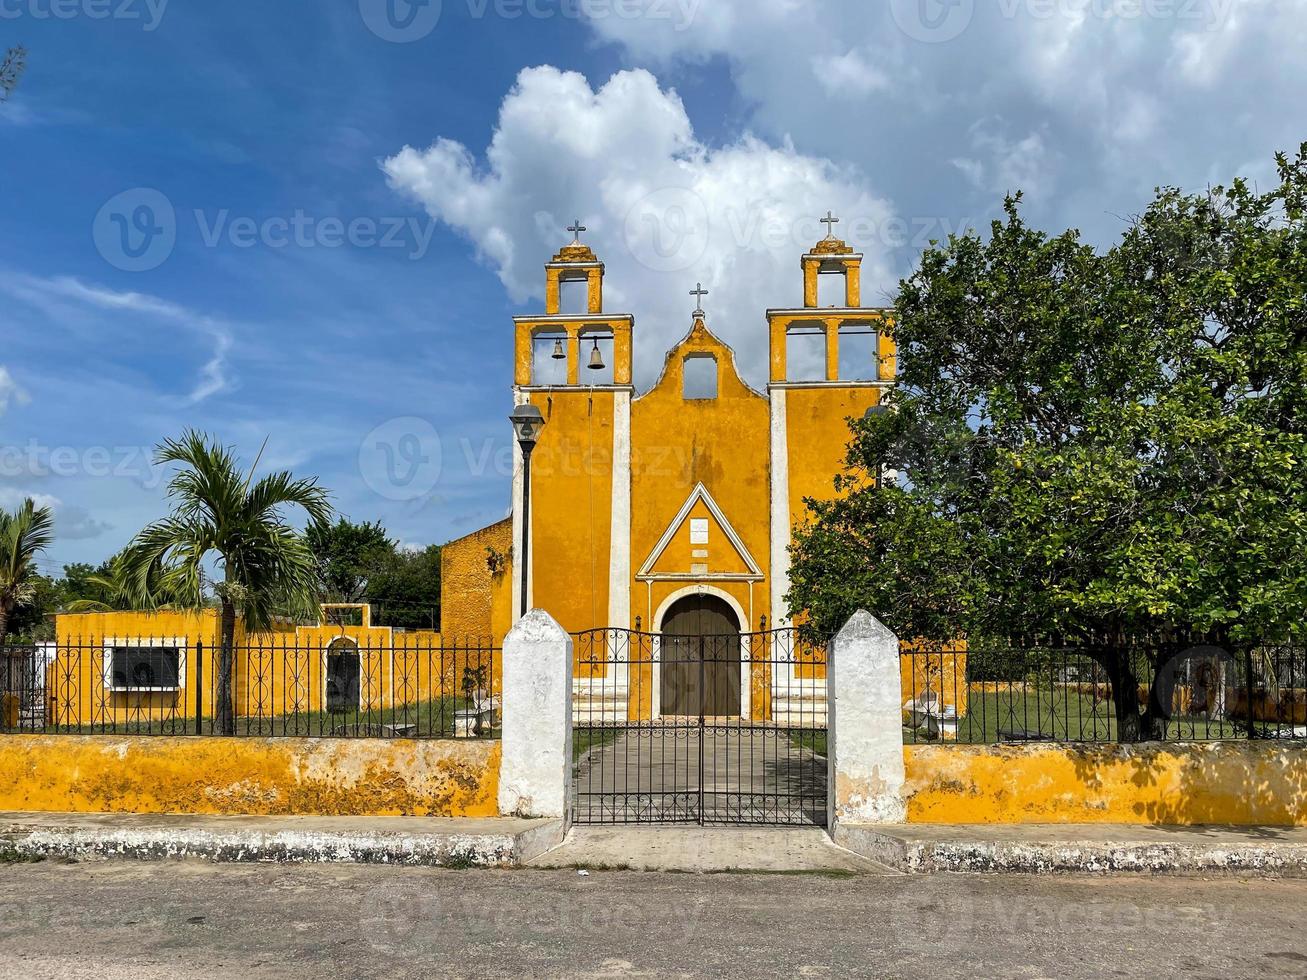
[1230, 853]
[513, 846]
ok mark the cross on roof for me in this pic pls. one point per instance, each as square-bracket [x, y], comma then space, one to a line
[699, 293]
[576, 228]
[830, 221]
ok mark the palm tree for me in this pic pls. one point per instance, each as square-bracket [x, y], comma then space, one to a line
[218, 511]
[118, 591]
[24, 534]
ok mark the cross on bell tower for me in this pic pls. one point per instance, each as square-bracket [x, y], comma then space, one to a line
[576, 228]
[698, 292]
[830, 221]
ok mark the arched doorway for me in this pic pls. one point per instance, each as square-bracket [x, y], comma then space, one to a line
[343, 674]
[700, 657]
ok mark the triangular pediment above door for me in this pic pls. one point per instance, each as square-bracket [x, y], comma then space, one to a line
[700, 543]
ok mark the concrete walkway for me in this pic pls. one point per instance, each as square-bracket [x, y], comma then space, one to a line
[422, 841]
[749, 774]
[706, 850]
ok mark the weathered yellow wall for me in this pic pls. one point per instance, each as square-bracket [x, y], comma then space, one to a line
[355, 777]
[274, 673]
[722, 443]
[818, 438]
[571, 506]
[1250, 783]
[467, 584]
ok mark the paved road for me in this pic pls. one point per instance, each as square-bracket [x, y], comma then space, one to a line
[107, 920]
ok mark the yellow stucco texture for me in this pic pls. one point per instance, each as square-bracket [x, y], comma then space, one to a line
[276, 672]
[571, 505]
[818, 439]
[1244, 783]
[677, 443]
[253, 776]
[473, 596]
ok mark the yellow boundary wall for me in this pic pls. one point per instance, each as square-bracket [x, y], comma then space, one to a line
[1253, 783]
[254, 776]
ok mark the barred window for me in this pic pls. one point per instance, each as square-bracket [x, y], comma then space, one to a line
[134, 668]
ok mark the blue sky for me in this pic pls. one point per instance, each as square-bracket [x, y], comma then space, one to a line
[698, 139]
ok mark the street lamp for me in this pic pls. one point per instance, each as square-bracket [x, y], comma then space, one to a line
[527, 423]
[875, 412]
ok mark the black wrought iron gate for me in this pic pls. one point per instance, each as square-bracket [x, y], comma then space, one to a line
[707, 729]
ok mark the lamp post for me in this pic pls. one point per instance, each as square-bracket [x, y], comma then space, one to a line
[875, 412]
[527, 422]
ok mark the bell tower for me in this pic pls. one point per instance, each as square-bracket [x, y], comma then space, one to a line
[575, 366]
[810, 400]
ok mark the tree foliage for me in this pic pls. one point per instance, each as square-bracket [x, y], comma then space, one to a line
[24, 534]
[347, 556]
[1093, 444]
[221, 512]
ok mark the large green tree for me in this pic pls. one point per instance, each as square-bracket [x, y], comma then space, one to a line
[347, 556]
[1096, 445]
[405, 589]
[221, 512]
[24, 534]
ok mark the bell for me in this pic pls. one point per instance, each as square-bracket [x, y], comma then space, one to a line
[559, 354]
[596, 358]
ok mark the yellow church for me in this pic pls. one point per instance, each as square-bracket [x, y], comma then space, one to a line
[673, 507]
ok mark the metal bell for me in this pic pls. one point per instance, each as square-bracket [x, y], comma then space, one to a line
[596, 358]
[559, 354]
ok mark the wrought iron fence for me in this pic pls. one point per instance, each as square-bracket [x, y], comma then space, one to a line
[413, 686]
[1170, 691]
[706, 729]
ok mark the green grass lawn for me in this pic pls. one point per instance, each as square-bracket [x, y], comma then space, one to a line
[433, 718]
[585, 739]
[1063, 715]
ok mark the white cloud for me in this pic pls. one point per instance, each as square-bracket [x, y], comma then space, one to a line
[49, 294]
[849, 75]
[10, 391]
[1102, 99]
[71, 523]
[663, 209]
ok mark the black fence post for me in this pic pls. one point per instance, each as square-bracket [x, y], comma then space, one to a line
[199, 687]
[1248, 678]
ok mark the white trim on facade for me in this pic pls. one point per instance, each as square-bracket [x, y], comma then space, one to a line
[780, 509]
[619, 533]
[180, 643]
[745, 681]
[700, 493]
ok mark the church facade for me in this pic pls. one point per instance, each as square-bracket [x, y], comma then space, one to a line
[674, 505]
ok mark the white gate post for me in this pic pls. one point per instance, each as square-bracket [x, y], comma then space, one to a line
[536, 761]
[866, 724]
